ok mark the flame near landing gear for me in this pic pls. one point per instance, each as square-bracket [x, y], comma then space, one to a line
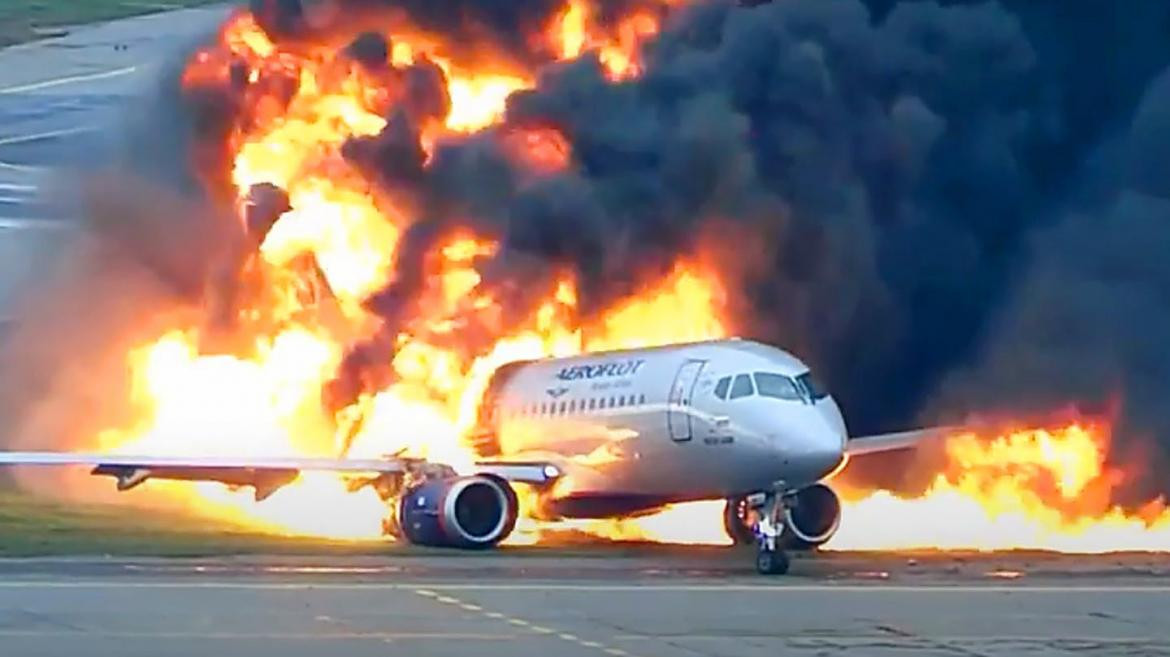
[326, 134]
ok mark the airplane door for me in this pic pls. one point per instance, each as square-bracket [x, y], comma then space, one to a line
[678, 413]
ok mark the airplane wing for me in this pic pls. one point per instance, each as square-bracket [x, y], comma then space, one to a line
[888, 442]
[265, 474]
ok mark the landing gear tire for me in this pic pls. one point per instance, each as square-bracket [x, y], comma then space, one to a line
[771, 562]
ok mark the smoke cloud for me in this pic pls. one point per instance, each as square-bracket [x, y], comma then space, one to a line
[945, 207]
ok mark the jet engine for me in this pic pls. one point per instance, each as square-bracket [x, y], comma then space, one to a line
[812, 519]
[466, 512]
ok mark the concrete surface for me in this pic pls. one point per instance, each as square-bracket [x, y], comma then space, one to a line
[644, 605]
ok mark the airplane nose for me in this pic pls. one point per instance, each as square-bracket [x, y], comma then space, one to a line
[822, 453]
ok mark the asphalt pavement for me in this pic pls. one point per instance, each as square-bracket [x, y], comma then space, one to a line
[661, 605]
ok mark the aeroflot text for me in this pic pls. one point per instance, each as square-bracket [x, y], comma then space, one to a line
[620, 368]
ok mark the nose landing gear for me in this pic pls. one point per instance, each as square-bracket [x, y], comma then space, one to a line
[771, 562]
[771, 559]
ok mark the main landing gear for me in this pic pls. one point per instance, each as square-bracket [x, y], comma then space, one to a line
[771, 559]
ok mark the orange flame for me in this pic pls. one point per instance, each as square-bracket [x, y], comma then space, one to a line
[1024, 489]
[1036, 489]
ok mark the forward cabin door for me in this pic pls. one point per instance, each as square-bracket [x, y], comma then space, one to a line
[678, 405]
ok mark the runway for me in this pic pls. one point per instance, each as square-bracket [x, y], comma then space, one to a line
[497, 604]
[62, 103]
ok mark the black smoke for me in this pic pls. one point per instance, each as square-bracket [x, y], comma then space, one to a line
[945, 207]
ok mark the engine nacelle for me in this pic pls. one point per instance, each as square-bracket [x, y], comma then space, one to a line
[466, 512]
[813, 519]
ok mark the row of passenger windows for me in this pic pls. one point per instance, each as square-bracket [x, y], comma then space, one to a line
[571, 406]
[766, 384]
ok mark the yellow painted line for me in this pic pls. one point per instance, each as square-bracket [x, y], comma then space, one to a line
[520, 622]
[70, 79]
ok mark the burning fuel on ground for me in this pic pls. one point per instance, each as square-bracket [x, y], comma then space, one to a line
[386, 201]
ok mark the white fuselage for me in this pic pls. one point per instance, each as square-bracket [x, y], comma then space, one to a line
[671, 423]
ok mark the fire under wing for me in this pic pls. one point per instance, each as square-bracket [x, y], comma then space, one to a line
[268, 474]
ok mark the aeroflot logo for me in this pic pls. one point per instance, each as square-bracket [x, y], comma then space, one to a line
[618, 368]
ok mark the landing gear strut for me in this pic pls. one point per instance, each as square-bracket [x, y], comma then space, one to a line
[771, 559]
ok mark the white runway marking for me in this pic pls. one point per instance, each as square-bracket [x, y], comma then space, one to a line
[48, 134]
[13, 187]
[22, 168]
[25, 223]
[269, 636]
[431, 588]
[71, 79]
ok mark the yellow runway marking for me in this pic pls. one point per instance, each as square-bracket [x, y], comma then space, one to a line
[520, 622]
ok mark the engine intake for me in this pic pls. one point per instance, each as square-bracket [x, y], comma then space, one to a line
[467, 512]
[813, 519]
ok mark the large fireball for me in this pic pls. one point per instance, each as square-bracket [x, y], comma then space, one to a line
[365, 300]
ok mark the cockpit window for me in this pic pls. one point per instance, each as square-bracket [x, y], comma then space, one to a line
[722, 386]
[776, 386]
[742, 387]
[813, 388]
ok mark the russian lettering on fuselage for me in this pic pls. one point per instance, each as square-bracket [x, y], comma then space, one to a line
[617, 368]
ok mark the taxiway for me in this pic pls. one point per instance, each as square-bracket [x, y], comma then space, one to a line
[660, 604]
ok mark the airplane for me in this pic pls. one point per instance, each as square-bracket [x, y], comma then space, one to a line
[603, 434]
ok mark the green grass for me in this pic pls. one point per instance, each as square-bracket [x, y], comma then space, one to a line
[32, 526]
[25, 20]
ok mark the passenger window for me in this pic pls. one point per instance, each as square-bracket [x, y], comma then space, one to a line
[722, 386]
[742, 387]
[641, 399]
[573, 406]
[632, 400]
